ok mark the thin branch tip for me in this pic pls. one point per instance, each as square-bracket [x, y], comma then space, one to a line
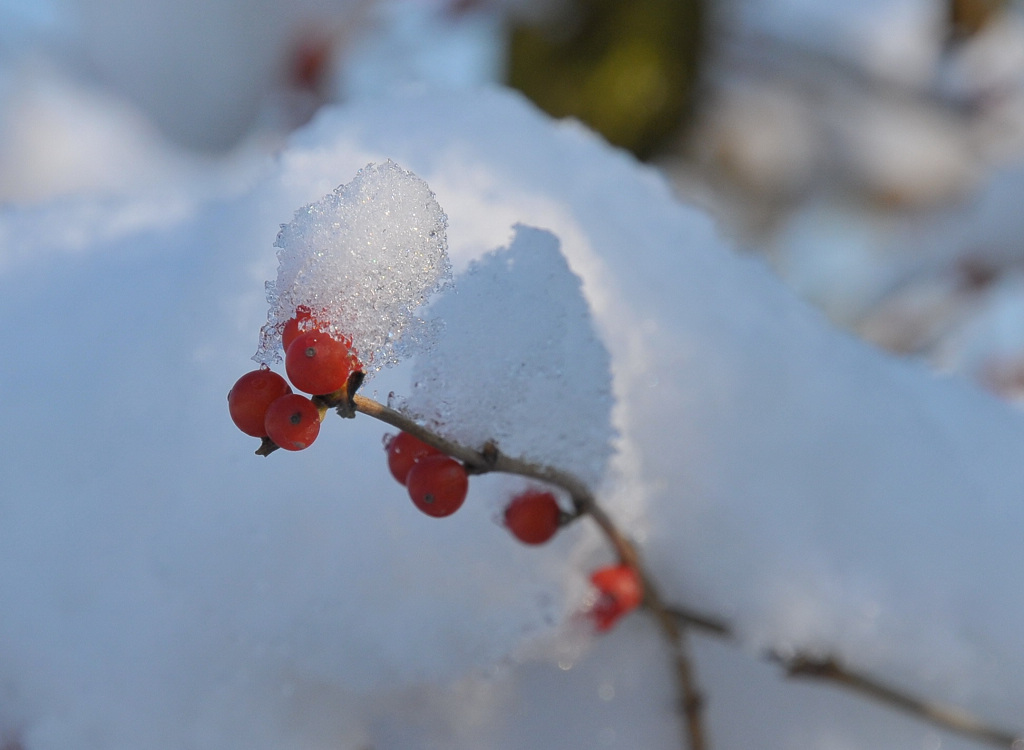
[267, 446]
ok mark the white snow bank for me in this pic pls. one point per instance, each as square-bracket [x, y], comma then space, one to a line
[165, 588]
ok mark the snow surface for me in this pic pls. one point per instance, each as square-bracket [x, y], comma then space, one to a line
[164, 588]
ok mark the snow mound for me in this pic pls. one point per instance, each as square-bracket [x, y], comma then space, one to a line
[364, 257]
[519, 362]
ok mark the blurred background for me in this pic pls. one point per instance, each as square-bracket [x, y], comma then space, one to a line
[872, 151]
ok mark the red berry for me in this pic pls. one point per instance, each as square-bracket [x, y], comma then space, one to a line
[621, 591]
[311, 62]
[317, 363]
[293, 422]
[403, 451]
[250, 396]
[533, 516]
[437, 485]
[301, 322]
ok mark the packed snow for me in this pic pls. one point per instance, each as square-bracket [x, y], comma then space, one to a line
[165, 588]
[518, 363]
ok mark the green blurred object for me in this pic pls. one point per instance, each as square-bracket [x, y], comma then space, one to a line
[969, 17]
[627, 68]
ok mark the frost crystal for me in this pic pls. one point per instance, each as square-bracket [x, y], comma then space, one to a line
[363, 259]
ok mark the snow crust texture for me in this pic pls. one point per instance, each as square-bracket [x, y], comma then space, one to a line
[364, 258]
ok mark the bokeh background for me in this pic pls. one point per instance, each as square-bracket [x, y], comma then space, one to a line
[870, 150]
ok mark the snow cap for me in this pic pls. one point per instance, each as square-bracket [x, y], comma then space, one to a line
[363, 259]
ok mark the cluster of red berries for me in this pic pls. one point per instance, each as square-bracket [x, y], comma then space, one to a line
[262, 403]
[438, 485]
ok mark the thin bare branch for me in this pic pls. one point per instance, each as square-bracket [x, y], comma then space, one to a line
[691, 701]
[948, 717]
[700, 621]
[829, 668]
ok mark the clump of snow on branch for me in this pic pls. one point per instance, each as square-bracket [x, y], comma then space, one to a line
[519, 362]
[363, 259]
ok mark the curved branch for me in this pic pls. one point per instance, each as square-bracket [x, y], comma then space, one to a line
[829, 668]
[948, 717]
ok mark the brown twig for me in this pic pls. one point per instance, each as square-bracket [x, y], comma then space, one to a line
[949, 718]
[691, 701]
[701, 621]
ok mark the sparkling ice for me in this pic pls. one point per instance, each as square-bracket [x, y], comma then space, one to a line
[363, 259]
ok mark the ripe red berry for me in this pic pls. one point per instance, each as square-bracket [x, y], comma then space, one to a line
[310, 64]
[301, 322]
[533, 516]
[317, 363]
[403, 451]
[621, 591]
[437, 485]
[250, 396]
[293, 422]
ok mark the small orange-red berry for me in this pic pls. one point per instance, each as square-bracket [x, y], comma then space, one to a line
[299, 323]
[293, 422]
[621, 591]
[437, 485]
[533, 516]
[404, 450]
[250, 397]
[318, 363]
